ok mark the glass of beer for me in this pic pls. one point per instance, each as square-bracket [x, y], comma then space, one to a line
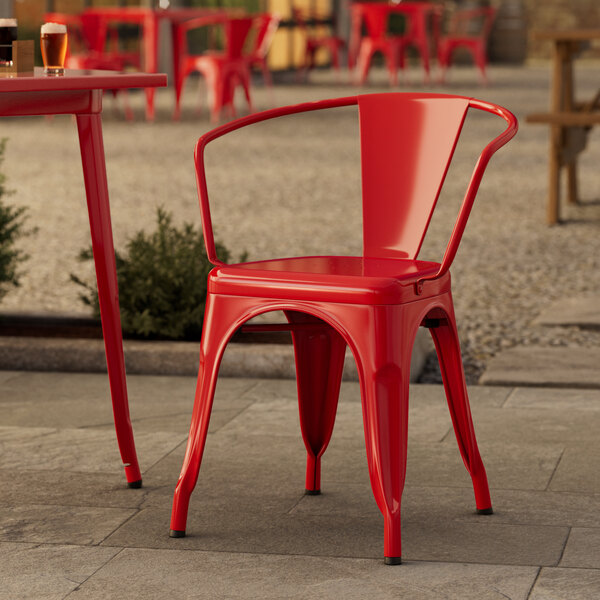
[53, 41]
[8, 34]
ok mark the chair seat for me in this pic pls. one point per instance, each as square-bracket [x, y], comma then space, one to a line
[346, 279]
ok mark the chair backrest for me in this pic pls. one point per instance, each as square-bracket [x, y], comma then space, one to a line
[95, 31]
[407, 143]
[264, 27]
[236, 32]
[476, 22]
[375, 18]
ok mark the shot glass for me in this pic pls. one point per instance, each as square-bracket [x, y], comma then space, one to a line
[8, 34]
[53, 41]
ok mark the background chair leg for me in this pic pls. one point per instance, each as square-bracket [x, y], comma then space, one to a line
[447, 346]
[319, 353]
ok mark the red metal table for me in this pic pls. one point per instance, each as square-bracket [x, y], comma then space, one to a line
[80, 93]
[148, 19]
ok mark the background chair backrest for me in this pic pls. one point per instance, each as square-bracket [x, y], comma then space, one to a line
[265, 27]
[407, 143]
[375, 18]
[95, 31]
[236, 32]
[476, 22]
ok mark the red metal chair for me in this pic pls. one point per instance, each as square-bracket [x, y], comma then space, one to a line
[223, 69]
[469, 29]
[373, 303]
[375, 18]
[313, 43]
[417, 35]
[264, 28]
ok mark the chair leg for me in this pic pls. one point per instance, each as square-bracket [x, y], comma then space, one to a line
[179, 83]
[211, 351]
[391, 62]
[363, 63]
[445, 337]
[384, 363]
[480, 58]
[245, 82]
[319, 354]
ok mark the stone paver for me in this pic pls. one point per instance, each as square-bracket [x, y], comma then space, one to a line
[582, 311]
[582, 549]
[251, 530]
[81, 525]
[43, 572]
[215, 576]
[575, 584]
[568, 367]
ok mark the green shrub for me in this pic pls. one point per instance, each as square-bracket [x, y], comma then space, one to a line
[162, 282]
[11, 228]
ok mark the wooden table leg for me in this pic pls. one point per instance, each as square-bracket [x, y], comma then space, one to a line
[552, 215]
[568, 102]
[94, 173]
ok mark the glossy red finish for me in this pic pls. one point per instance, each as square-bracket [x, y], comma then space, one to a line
[80, 94]
[222, 70]
[373, 304]
[460, 35]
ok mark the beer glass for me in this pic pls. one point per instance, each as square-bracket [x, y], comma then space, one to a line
[53, 41]
[8, 34]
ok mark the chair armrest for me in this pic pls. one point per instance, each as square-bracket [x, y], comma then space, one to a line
[467, 204]
[232, 126]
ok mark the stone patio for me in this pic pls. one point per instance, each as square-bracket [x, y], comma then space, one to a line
[69, 527]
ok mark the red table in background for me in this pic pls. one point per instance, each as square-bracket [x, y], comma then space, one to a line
[148, 19]
[80, 93]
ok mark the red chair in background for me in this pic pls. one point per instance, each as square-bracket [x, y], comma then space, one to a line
[222, 69]
[469, 29]
[373, 303]
[375, 18]
[417, 29]
[314, 42]
[264, 28]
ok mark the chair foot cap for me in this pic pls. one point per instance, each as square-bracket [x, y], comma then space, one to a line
[312, 492]
[485, 511]
[393, 560]
[176, 533]
[134, 485]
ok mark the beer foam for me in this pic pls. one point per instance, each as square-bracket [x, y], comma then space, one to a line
[54, 28]
[8, 22]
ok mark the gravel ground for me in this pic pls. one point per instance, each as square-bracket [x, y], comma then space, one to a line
[293, 187]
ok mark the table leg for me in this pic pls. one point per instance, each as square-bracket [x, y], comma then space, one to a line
[150, 41]
[569, 106]
[94, 173]
[552, 215]
[561, 60]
